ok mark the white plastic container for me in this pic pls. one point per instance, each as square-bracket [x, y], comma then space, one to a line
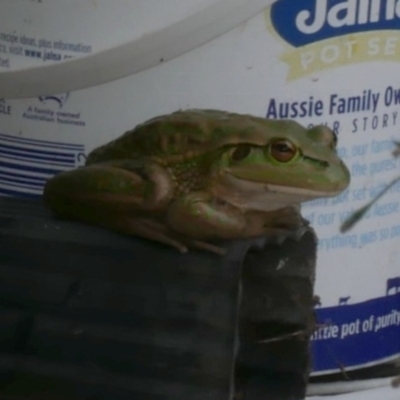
[326, 62]
[51, 47]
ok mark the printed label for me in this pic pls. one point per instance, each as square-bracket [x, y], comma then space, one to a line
[26, 164]
[357, 335]
[5, 108]
[303, 22]
[51, 109]
[14, 45]
[321, 39]
[368, 31]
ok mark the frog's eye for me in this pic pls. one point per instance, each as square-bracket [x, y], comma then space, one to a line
[323, 134]
[283, 150]
[240, 152]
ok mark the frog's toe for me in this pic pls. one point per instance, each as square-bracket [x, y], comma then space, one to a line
[198, 244]
[291, 234]
[300, 232]
[150, 232]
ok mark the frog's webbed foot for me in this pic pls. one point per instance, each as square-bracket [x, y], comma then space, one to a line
[282, 232]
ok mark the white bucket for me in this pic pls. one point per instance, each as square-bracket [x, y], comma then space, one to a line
[333, 62]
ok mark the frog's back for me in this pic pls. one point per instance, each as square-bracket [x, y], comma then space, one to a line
[187, 133]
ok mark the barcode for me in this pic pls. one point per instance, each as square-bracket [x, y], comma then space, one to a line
[26, 164]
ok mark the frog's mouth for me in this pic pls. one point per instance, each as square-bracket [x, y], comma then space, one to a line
[300, 191]
[325, 181]
[250, 195]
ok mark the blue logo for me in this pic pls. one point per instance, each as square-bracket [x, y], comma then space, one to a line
[60, 99]
[357, 334]
[307, 21]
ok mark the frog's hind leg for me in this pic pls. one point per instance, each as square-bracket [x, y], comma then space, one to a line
[114, 195]
[122, 186]
[118, 196]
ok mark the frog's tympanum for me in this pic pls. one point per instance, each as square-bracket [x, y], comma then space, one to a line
[191, 177]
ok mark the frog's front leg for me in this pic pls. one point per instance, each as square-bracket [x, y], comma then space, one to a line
[200, 215]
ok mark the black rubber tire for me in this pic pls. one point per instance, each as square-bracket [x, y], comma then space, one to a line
[89, 314]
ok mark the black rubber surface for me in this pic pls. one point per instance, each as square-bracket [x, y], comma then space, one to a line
[89, 314]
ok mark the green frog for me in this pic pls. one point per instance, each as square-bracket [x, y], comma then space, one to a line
[192, 177]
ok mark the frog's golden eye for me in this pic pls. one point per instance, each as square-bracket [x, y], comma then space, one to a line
[240, 152]
[282, 150]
